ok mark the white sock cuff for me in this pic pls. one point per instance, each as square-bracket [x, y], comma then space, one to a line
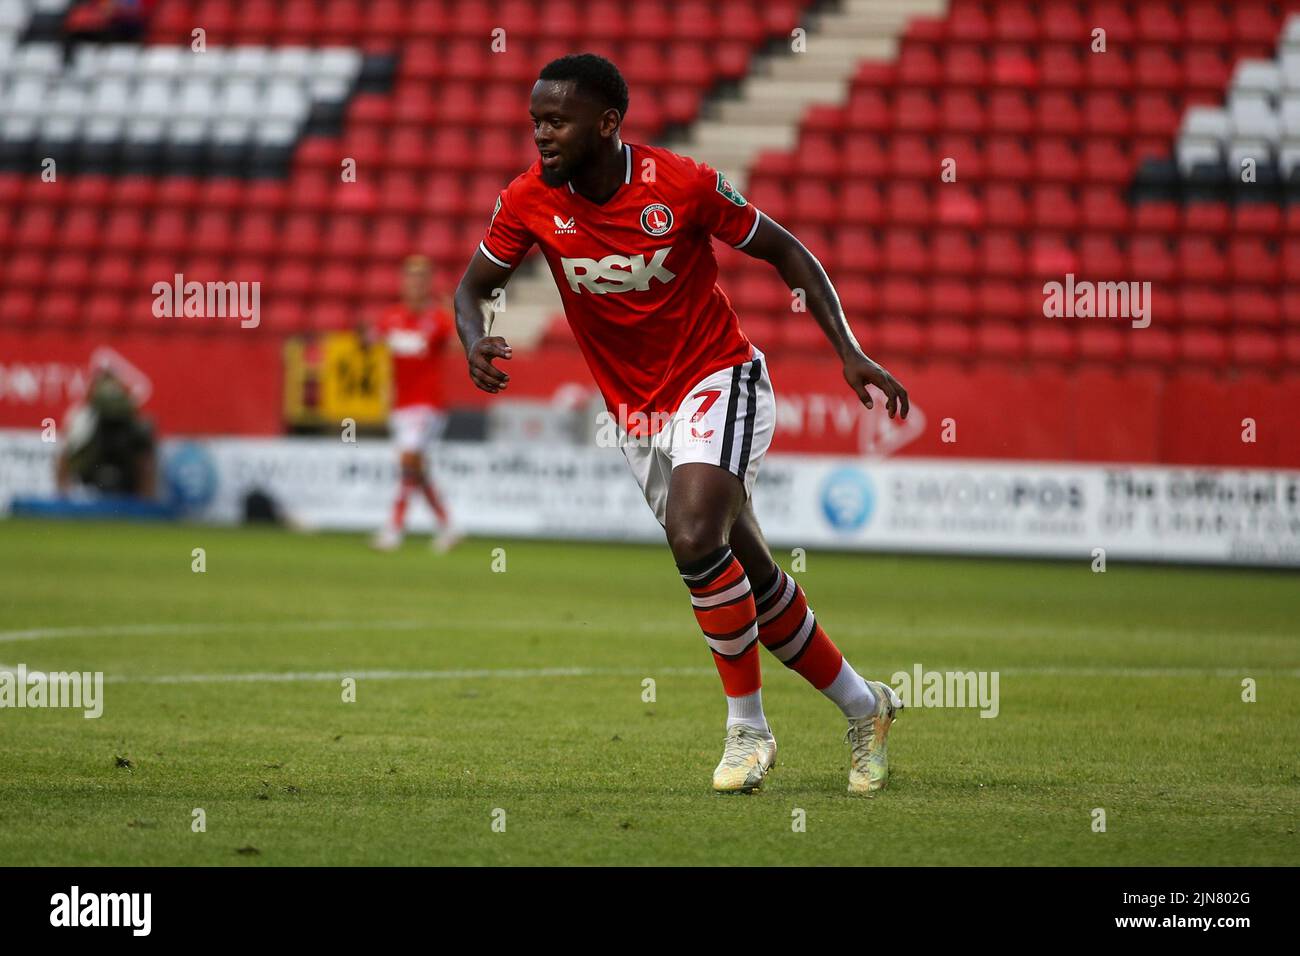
[747, 710]
[850, 693]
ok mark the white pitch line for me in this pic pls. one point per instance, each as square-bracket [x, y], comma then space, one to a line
[894, 629]
[145, 630]
[282, 677]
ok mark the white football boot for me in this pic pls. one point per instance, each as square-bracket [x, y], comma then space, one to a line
[868, 739]
[386, 539]
[747, 756]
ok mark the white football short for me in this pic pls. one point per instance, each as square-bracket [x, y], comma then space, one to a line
[415, 427]
[726, 420]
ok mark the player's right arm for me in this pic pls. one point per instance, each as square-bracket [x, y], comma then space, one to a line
[493, 263]
[473, 300]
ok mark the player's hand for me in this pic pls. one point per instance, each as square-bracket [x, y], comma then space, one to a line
[481, 370]
[860, 372]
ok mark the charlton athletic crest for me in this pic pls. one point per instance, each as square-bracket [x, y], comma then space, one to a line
[656, 219]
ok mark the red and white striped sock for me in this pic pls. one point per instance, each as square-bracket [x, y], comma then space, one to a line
[789, 629]
[399, 506]
[435, 502]
[724, 607]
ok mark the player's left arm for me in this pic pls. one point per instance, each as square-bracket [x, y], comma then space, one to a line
[799, 269]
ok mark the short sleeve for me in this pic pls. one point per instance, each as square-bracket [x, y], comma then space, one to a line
[507, 237]
[722, 210]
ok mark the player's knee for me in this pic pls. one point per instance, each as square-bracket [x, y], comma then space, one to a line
[691, 541]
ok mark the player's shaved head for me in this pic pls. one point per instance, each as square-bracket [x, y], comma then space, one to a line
[577, 106]
[593, 77]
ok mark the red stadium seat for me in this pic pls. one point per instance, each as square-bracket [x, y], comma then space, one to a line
[1008, 299]
[950, 339]
[1010, 111]
[1057, 112]
[953, 252]
[1001, 340]
[968, 20]
[964, 65]
[1153, 345]
[1104, 209]
[1061, 66]
[905, 252]
[1004, 255]
[951, 297]
[902, 295]
[1203, 305]
[1248, 347]
[1051, 342]
[1254, 306]
[898, 336]
[1253, 259]
[1153, 260]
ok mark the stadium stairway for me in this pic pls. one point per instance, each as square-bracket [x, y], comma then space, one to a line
[773, 99]
[764, 113]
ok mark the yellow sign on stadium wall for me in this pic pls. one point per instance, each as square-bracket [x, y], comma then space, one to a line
[334, 376]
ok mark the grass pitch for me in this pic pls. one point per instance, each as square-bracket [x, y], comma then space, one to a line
[479, 692]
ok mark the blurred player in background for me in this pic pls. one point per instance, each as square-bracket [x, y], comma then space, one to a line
[110, 446]
[626, 230]
[416, 330]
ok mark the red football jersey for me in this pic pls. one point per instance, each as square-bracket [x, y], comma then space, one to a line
[415, 340]
[637, 273]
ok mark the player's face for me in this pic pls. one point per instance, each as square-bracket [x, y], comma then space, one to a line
[415, 284]
[566, 129]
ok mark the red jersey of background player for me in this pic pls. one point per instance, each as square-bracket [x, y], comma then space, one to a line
[637, 273]
[415, 340]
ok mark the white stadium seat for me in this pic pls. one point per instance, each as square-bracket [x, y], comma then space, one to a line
[154, 99]
[58, 130]
[187, 131]
[1252, 119]
[111, 97]
[253, 62]
[140, 130]
[291, 61]
[212, 62]
[69, 99]
[1290, 66]
[232, 132]
[165, 61]
[40, 59]
[287, 102]
[120, 59]
[338, 61]
[1206, 122]
[104, 129]
[1291, 31]
[239, 98]
[196, 99]
[13, 15]
[16, 129]
[26, 96]
[1259, 76]
[1290, 117]
[1192, 153]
